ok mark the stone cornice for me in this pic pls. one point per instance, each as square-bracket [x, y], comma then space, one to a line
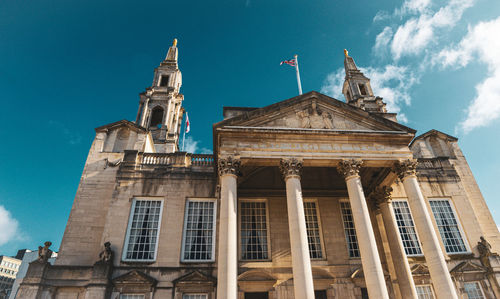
[349, 168]
[290, 167]
[229, 165]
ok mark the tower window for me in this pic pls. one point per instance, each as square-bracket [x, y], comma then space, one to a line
[164, 80]
[362, 89]
[156, 117]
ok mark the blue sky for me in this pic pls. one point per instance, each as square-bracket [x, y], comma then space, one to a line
[67, 67]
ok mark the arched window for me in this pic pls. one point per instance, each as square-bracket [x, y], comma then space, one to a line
[156, 117]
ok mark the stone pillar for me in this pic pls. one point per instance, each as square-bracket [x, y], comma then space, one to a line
[301, 262]
[441, 279]
[372, 268]
[382, 198]
[227, 261]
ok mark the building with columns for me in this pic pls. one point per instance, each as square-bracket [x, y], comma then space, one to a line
[310, 197]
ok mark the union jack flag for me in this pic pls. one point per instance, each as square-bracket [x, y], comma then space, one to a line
[291, 62]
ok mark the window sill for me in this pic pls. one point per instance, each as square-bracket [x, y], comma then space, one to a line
[137, 262]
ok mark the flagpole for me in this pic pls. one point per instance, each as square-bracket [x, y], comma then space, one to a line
[298, 74]
[184, 136]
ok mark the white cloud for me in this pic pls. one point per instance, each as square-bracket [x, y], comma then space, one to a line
[390, 82]
[9, 227]
[381, 16]
[480, 41]
[191, 146]
[382, 40]
[421, 29]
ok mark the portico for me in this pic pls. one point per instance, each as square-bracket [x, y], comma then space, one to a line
[358, 160]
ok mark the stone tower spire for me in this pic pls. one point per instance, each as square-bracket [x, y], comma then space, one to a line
[160, 106]
[358, 91]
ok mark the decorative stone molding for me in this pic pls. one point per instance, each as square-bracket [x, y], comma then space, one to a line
[290, 167]
[405, 168]
[229, 165]
[380, 195]
[348, 168]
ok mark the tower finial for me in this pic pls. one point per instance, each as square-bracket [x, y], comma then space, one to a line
[346, 53]
[174, 43]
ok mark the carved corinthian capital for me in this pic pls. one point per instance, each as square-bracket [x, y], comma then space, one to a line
[290, 167]
[380, 195]
[348, 168]
[405, 168]
[229, 165]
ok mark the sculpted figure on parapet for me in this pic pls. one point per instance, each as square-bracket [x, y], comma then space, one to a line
[44, 253]
[484, 249]
[106, 256]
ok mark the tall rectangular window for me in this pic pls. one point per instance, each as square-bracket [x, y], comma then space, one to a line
[424, 292]
[406, 228]
[349, 229]
[448, 226]
[143, 230]
[313, 230]
[164, 80]
[473, 290]
[199, 231]
[253, 230]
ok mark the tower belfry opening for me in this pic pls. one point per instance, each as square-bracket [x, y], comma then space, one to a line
[160, 106]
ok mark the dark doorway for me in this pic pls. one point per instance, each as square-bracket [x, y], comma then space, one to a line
[320, 294]
[257, 295]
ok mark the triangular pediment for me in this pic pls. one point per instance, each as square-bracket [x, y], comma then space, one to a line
[195, 276]
[121, 124]
[314, 111]
[134, 277]
[419, 269]
[468, 267]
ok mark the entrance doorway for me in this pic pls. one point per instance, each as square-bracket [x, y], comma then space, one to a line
[257, 295]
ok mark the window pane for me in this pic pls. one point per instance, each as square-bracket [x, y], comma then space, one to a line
[448, 226]
[473, 290]
[199, 231]
[424, 292]
[143, 231]
[350, 231]
[253, 232]
[313, 233]
[406, 228]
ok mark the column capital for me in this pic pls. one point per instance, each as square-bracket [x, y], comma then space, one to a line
[229, 165]
[381, 194]
[349, 167]
[405, 168]
[290, 167]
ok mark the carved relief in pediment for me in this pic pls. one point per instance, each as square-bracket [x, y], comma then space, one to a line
[310, 118]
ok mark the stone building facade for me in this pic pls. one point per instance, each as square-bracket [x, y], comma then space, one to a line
[9, 266]
[310, 197]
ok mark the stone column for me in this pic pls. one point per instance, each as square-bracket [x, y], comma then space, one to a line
[301, 262]
[441, 279]
[372, 268]
[227, 262]
[382, 198]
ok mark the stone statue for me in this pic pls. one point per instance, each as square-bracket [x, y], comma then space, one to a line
[44, 253]
[484, 249]
[106, 256]
[326, 119]
[305, 122]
